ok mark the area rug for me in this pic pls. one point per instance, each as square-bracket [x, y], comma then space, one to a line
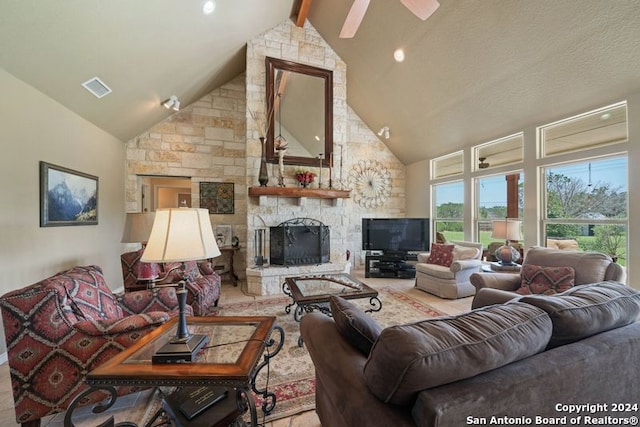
[291, 372]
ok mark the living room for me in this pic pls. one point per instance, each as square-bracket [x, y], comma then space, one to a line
[37, 127]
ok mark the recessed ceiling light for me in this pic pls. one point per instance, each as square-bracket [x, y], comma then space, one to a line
[208, 7]
[398, 55]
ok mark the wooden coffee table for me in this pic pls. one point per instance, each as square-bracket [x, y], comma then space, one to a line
[230, 359]
[310, 293]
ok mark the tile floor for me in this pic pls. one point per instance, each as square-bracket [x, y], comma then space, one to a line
[136, 404]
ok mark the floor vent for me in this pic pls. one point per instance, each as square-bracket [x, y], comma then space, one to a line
[97, 87]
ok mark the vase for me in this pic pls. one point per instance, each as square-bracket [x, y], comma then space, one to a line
[263, 175]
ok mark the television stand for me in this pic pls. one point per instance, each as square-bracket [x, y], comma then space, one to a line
[389, 264]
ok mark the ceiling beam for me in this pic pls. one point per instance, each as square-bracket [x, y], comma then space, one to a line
[303, 11]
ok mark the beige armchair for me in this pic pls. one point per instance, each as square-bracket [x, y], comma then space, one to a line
[450, 282]
[590, 267]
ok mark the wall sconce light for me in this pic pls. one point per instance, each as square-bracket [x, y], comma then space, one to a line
[172, 103]
[384, 131]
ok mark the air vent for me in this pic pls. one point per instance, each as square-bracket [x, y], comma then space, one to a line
[97, 87]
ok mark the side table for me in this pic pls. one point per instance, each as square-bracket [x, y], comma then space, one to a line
[497, 267]
[230, 251]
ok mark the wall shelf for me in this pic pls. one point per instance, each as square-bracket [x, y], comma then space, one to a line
[299, 193]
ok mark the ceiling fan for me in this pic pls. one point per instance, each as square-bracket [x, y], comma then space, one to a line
[483, 164]
[421, 8]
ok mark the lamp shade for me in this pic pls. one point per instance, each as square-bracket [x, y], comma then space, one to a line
[137, 227]
[506, 229]
[181, 234]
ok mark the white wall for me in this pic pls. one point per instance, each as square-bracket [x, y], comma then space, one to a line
[418, 195]
[34, 128]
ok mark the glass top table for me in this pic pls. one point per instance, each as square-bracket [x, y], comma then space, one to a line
[311, 293]
[229, 359]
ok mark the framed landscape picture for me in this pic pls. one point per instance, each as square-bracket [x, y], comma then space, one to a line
[67, 197]
[218, 197]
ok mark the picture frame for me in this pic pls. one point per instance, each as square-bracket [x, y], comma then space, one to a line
[224, 234]
[67, 197]
[218, 197]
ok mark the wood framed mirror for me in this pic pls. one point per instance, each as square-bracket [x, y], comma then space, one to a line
[300, 98]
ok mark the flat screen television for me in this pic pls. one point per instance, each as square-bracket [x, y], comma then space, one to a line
[395, 234]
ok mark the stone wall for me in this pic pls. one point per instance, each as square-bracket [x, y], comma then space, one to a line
[215, 140]
[205, 141]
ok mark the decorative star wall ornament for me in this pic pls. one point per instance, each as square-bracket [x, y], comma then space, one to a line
[370, 183]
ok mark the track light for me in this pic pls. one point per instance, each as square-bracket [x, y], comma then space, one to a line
[172, 103]
[384, 131]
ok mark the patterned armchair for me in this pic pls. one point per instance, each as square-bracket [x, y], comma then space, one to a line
[61, 328]
[203, 283]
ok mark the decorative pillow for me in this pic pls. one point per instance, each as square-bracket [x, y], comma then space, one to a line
[356, 326]
[413, 357]
[587, 310]
[441, 254]
[465, 252]
[206, 268]
[546, 280]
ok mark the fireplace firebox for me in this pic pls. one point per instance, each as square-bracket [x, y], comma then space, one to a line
[299, 241]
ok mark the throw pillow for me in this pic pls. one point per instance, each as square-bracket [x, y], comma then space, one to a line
[441, 254]
[417, 356]
[587, 310]
[545, 280]
[356, 326]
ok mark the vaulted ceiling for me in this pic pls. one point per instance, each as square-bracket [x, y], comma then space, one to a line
[475, 70]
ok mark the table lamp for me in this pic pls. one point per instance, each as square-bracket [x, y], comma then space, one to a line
[508, 230]
[179, 235]
[137, 227]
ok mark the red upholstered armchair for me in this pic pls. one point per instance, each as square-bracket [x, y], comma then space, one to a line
[61, 328]
[203, 283]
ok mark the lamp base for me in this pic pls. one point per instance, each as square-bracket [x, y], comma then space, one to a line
[180, 350]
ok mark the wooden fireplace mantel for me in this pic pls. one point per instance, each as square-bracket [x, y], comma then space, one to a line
[317, 193]
[300, 193]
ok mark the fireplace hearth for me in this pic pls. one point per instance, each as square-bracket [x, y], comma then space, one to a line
[299, 241]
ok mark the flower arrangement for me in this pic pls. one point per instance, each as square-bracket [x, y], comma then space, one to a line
[305, 177]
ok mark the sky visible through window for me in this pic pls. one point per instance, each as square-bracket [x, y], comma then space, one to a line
[611, 170]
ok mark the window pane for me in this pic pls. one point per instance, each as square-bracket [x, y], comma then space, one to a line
[504, 151]
[448, 201]
[595, 190]
[594, 129]
[610, 239]
[449, 165]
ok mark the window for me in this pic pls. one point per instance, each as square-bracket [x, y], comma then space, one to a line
[448, 209]
[597, 128]
[447, 166]
[498, 197]
[586, 201]
[500, 152]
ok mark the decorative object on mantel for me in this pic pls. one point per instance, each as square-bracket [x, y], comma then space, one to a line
[304, 177]
[263, 174]
[370, 182]
[281, 148]
[263, 128]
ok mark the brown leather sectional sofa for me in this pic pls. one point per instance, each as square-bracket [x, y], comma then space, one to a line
[530, 358]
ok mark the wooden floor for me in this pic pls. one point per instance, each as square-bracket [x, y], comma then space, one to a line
[136, 403]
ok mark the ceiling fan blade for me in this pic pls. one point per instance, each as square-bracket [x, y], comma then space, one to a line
[354, 18]
[421, 8]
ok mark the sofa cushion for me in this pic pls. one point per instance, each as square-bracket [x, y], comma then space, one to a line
[356, 326]
[409, 358]
[587, 310]
[465, 252]
[545, 280]
[441, 254]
